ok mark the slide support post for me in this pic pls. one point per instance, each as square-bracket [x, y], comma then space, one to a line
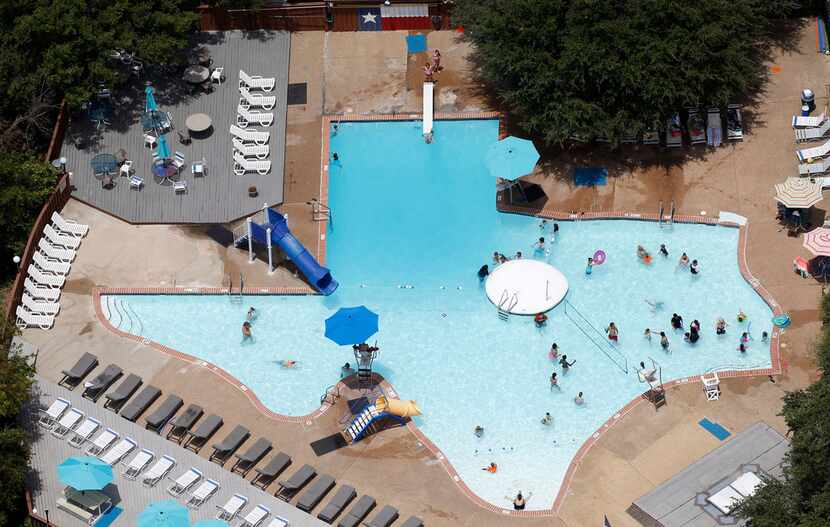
[270, 252]
[250, 241]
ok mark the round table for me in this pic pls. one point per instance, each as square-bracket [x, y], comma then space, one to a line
[103, 164]
[165, 171]
[195, 74]
[198, 122]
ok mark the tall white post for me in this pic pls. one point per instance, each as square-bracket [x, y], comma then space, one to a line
[264, 213]
[250, 241]
[270, 256]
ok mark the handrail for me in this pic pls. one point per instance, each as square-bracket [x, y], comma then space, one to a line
[671, 214]
[621, 361]
[660, 214]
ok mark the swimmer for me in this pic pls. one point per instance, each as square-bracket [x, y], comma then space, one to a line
[642, 254]
[548, 419]
[664, 251]
[695, 326]
[543, 224]
[246, 330]
[335, 157]
[676, 321]
[554, 383]
[483, 272]
[649, 375]
[251, 314]
[693, 336]
[539, 245]
[590, 267]
[684, 260]
[503, 258]
[764, 336]
[720, 326]
[518, 255]
[555, 232]
[496, 258]
[346, 370]
[519, 501]
[492, 468]
[664, 341]
[647, 334]
[695, 268]
[741, 315]
[613, 332]
[540, 320]
[478, 431]
[287, 363]
[655, 305]
[554, 351]
[565, 364]
[742, 347]
[745, 337]
[579, 400]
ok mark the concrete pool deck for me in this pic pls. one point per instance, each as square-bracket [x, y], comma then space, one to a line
[642, 450]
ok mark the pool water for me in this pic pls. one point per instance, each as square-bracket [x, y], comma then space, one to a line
[412, 223]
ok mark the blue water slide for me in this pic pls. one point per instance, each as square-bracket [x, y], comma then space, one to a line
[319, 276]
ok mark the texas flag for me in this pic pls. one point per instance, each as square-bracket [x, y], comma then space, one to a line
[401, 16]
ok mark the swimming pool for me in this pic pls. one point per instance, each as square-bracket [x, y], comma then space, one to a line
[410, 214]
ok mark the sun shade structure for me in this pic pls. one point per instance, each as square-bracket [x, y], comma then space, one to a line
[817, 241]
[150, 103]
[85, 473]
[511, 158]
[351, 325]
[798, 193]
[167, 513]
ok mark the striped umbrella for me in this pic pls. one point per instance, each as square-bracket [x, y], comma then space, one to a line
[817, 241]
[798, 193]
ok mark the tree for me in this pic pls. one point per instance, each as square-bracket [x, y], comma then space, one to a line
[601, 67]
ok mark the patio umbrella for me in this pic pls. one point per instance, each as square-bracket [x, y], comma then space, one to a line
[817, 241]
[150, 104]
[511, 158]
[211, 523]
[351, 325]
[162, 149]
[167, 513]
[798, 193]
[85, 473]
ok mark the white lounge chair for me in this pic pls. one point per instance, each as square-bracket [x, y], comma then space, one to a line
[118, 452]
[41, 293]
[50, 266]
[231, 508]
[84, 431]
[27, 319]
[183, 483]
[44, 279]
[138, 463]
[104, 440]
[150, 140]
[812, 134]
[136, 182]
[55, 253]
[805, 154]
[258, 151]
[61, 240]
[800, 121]
[255, 516]
[819, 166]
[39, 307]
[279, 521]
[180, 187]
[202, 494]
[158, 471]
[242, 165]
[68, 422]
[255, 81]
[250, 136]
[178, 160]
[245, 117]
[248, 100]
[49, 417]
[69, 227]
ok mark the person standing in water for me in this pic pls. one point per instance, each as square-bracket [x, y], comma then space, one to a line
[664, 341]
[590, 267]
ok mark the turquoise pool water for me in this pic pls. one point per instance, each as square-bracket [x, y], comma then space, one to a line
[410, 214]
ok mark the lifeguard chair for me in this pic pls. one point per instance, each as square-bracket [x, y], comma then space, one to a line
[711, 386]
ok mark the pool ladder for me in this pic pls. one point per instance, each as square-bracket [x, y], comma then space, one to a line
[235, 299]
[506, 304]
[664, 219]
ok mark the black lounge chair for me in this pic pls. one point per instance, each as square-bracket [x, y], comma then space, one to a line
[344, 495]
[387, 515]
[413, 521]
[291, 486]
[183, 422]
[223, 450]
[133, 409]
[156, 420]
[314, 495]
[264, 476]
[116, 398]
[74, 375]
[360, 510]
[102, 382]
[198, 438]
[246, 461]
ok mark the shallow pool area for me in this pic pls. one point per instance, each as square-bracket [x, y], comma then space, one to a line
[411, 225]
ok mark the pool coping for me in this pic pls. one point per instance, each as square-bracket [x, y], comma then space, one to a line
[775, 355]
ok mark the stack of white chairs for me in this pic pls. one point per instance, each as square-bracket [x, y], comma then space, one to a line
[47, 273]
[250, 147]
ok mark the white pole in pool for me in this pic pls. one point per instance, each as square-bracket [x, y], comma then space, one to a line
[428, 111]
[250, 241]
[270, 258]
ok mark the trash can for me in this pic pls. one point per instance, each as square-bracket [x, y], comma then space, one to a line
[808, 99]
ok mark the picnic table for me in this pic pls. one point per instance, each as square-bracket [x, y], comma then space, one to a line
[195, 74]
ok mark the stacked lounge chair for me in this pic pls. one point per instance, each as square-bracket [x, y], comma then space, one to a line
[156, 420]
[249, 144]
[133, 409]
[223, 450]
[183, 422]
[74, 375]
[344, 495]
[96, 388]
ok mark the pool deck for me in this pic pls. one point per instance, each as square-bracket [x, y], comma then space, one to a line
[641, 450]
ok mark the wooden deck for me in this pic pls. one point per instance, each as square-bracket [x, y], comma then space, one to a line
[220, 196]
[131, 496]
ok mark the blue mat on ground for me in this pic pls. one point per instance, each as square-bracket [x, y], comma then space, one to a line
[590, 176]
[416, 43]
[714, 428]
[107, 519]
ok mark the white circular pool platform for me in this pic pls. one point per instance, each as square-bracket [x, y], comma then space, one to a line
[526, 287]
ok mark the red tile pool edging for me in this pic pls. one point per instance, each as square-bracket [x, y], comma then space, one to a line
[775, 368]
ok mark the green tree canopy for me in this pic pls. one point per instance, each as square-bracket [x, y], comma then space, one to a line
[604, 67]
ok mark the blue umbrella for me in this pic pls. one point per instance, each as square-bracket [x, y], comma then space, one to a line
[150, 104]
[167, 513]
[351, 325]
[85, 473]
[211, 523]
[163, 150]
[511, 158]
